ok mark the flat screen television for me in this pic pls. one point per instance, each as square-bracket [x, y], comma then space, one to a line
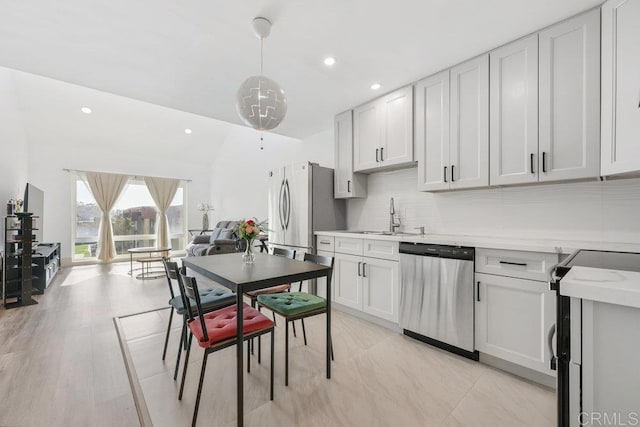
[34, 203]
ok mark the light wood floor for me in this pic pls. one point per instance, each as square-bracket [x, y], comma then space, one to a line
[60, 364]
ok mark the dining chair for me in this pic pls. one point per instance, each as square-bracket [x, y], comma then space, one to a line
[298, 305]
[286, 287]
[211, 299]
[217, 330]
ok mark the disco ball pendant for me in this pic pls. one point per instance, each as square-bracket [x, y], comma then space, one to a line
[261, 103]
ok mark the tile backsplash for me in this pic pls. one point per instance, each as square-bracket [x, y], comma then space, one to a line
[593, 210]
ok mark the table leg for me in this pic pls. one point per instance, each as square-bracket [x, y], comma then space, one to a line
[329, 325]
[239, 359]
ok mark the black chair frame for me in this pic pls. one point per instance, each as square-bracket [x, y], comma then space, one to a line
[189, 288]
[171, 269]
[318, 259]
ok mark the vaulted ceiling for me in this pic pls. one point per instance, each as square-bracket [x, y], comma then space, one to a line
[192, 55]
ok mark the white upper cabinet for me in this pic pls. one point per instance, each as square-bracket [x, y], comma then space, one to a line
[620, 86]
[397, 124]
[367, 136]
[469, 145]
[569, 140]
[432, 132]
[346, 183]
[383, 132]
[513, 132]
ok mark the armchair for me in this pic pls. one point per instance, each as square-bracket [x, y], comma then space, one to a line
[222, 240]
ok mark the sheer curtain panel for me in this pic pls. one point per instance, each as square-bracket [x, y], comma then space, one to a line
[162, 190]
[106, 188]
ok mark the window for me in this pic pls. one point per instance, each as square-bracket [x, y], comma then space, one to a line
[133, 219]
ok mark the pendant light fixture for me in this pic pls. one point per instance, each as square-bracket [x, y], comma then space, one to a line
[260, 101]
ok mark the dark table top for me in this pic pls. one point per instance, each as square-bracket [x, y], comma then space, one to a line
[267, 270]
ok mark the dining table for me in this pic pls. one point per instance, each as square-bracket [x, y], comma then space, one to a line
[230, 271]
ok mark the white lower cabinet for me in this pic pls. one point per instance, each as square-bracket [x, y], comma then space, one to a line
[366, 284]
[380, 288]
[347, 280]
[513, 319]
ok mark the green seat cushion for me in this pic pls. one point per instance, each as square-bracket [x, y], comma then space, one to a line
[292, 303]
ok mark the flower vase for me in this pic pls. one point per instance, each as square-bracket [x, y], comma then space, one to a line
[205, 221]
[247, 256]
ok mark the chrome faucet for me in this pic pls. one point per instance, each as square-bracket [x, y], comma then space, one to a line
[393, 225]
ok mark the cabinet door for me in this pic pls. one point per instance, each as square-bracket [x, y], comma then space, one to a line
[513, 120]
[397, 125]
[620, 86]
[346, 183]
[347, 280]
[513, 318]
[570, 99]
[367, 136]
[432, 132]
[380, 288]
[469, 146]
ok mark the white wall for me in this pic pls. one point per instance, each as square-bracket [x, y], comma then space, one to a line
[13, 145]
[594, 211]
[46, 165]
[239, 179]
[121, 135]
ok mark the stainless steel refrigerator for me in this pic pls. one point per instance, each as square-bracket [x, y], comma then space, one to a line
[300, 203]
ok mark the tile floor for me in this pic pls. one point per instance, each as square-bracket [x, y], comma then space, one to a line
[61, 365]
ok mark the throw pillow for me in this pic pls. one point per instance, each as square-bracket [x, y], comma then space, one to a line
[203, 238]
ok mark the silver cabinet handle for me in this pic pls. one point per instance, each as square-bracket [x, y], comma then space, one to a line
[324, 242]
[550, 334]
[364, 264]
[521, 264]
[348, 186]
[359, 264]
[445, 174]
[377, 149]
[532, 171]
[478, 291]
[453, 174]
[382, 154]
[544, 161]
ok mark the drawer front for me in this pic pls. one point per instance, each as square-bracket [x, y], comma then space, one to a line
[325, 243]
[347, 245]
[520, 264]
[381, 249]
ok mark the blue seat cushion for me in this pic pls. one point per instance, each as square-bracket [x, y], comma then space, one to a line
[292, 303]
[209, 298]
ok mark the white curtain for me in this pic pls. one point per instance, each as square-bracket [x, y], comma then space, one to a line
[162, 190]
[106, 188]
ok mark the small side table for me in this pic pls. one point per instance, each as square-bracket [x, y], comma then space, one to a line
[148, 274]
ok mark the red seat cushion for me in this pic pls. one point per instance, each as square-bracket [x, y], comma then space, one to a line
[221, 324]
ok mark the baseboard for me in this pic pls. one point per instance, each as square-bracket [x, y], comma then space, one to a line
[364, 316]
[521, 371]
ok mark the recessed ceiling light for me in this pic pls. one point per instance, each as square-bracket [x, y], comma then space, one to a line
[187, 131]
[86, 110]
[375, 86]
[329, 61]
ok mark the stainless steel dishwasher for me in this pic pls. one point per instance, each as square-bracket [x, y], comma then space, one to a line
[437, 296]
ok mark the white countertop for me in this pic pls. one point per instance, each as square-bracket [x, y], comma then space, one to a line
[516, 244]
[597, 284]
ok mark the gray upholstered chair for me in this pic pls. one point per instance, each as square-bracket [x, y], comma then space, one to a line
[222, 240]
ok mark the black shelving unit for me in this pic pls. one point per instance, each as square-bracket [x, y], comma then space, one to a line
[17, 283]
